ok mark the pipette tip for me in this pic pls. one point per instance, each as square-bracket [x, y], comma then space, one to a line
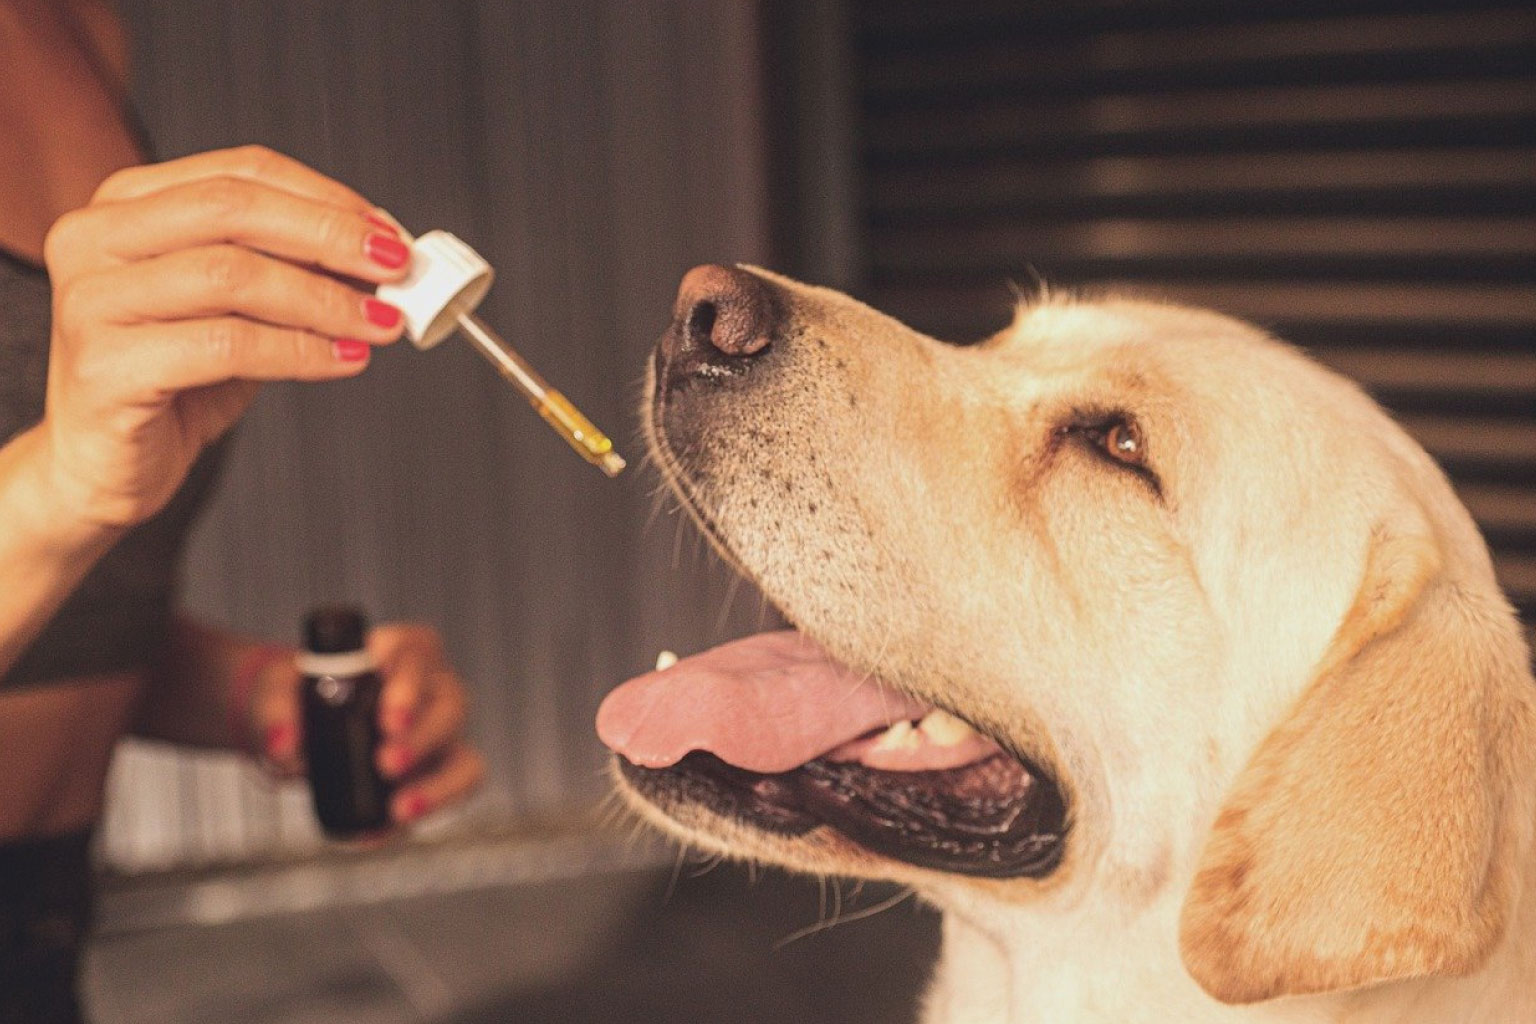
[589, 442]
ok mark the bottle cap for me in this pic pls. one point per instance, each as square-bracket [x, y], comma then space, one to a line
[447, 278]
[335, 629]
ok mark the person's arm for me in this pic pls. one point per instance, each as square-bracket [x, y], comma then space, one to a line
[215, 688]
[201, 691]
[45, 549]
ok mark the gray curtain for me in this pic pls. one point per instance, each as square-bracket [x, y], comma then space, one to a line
[593, 150]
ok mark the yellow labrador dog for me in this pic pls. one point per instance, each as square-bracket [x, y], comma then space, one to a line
[1149, 650]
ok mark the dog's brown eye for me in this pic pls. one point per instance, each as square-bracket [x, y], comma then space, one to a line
[1121, 440]
[1115, 438]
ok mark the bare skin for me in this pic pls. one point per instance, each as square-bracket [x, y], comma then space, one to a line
[178, 289]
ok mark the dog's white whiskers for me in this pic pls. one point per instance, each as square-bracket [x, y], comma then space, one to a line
[677, 870]
[709, 863]
[877, 664]
[849, 918]
[611, 810]
[730, 599]
[677, 544]
[873, 673]
[639, 832]
[659, 496]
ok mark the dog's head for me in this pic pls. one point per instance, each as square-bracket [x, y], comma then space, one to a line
[1127, 603]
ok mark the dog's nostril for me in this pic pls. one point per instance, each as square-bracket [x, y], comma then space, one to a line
[701, 323]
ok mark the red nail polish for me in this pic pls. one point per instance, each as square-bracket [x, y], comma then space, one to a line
[381, 313]
[348, 350]
[386, 250]
[383, 223]
[414, 807]
[279, 739]
[402, 759]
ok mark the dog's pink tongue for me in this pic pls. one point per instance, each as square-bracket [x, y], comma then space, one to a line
[767, 703]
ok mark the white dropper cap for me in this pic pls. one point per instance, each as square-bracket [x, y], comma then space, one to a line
[447, 280]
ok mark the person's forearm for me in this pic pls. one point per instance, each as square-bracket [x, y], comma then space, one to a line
[45, 551]
[200, 692]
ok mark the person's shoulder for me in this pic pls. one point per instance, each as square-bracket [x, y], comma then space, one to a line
[102, 31]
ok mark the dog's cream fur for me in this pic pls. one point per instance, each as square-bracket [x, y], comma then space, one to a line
[1291, 712]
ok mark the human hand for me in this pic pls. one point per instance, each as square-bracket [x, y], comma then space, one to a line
[176, 291]
[421, 715]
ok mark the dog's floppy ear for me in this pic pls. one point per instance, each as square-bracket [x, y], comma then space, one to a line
[1373, 834]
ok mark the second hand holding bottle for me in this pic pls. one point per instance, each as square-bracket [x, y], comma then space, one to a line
[448, 280]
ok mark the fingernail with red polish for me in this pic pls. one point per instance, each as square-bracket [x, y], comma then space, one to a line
[279, 739]
[400, 719]
[383, 223]
[348, 350]
[380, 313]
[400, 761]
[413, 807]
[386, 250]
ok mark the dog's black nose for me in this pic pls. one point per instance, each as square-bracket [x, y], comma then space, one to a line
[721, 311]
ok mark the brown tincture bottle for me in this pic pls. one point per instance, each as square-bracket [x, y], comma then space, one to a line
[340, 694]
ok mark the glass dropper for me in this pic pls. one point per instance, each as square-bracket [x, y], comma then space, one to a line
[446, 282]
[590, 443]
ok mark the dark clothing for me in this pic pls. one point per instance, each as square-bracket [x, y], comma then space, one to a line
[116, 620]
[45, 912]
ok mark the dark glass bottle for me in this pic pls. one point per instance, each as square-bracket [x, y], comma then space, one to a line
[340, 694]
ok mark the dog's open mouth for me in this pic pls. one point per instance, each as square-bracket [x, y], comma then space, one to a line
[770, 731]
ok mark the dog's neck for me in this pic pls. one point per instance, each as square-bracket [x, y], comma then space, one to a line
[1003, 971]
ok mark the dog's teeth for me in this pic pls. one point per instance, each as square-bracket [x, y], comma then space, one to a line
[944, 729]
[665, 660]
[900, 736]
